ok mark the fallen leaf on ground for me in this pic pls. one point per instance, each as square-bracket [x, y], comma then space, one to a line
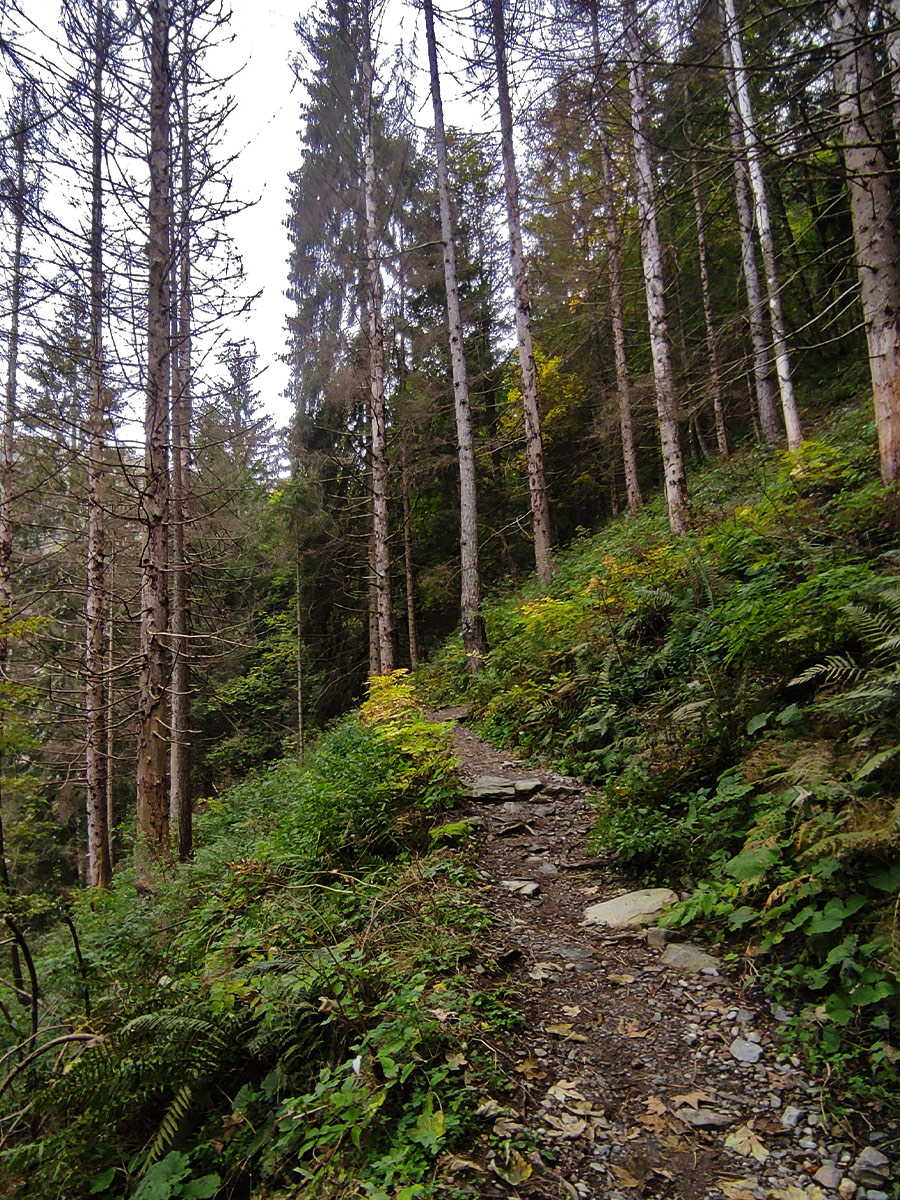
[745, 1142]
[530, 1068]
[563, 1091]
[655, 1105]
[512, 1167]
[571, 1010]
[623, 980]
[692, 1099]
[456, 1164]
[739, 1189]
[565, 1126]
[791, 1192]
[625, 1178]
[631, 1029]
[489, 1108]
[564, 1030]
[456, 1060]
[543, 970]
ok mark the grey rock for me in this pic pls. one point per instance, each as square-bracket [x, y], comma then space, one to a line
[491, 788]
[510, 808]
[573, 953]
[829, 1177]
[521, 887]
[524, 787]
[631, 910]
[682, 956]
[542, 810]
[871, 1167]
[807, 1143]
[547, 868]
[875, 1194]
[746, 1052]
[705, 1118]
[658, 937]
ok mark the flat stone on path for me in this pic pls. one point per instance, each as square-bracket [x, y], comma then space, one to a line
[744, 1051]
[521, 887]
[492, 787]
[631, 910]
[682, 956]
[524, 787]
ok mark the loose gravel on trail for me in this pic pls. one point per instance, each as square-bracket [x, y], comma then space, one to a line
[636, 1078]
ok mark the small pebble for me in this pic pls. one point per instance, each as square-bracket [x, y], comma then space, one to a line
[829, 1177]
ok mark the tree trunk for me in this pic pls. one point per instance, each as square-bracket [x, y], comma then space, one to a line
[769, 420]
[890, 10]
[152, 808]
[298, 610]
[380, 519]
[740, 97]
[534, 450]
[99, 864]
[110, 700]
[408, 561]
[715, 374]
[651, 259]
[470, 616]
[180, 799]
[874, 230]
[616, 292]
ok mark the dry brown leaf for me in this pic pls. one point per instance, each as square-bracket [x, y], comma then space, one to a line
[692, 1099]
[543, 970]
[654, 1123]
[571, 1010]
[489, 1108]
[655, 1105]
[563, 1091]
[631, 1029]
[566, 1126]
[625, 1178]
[455, 1164]
[530, 1068]
[623, 980]
[745, 1142]
[738, 1189]
[455, 1060]
[791, 1192]
[564, 1030]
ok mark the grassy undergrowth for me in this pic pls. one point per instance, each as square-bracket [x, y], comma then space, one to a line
[288, 1015]
[734, 697]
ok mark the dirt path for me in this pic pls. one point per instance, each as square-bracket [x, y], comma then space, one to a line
[631, 1072]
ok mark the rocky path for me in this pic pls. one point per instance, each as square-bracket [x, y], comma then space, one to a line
[644, 1071]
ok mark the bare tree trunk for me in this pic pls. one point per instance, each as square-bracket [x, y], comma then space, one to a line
[152, 808]
[471, 621]
[298, 610]
[110, 709]
[769, 420]
[180, 799]
[740, 95]
[651, 258]
[380, 517]
[99, 864]
[715, 374]
[408, 561]
[617, 319]
[890, 10]
[534, 450]
[874, 229]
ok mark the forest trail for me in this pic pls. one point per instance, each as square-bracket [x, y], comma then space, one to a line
[640, 1078]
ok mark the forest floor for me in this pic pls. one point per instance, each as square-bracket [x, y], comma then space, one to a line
[634, 1078]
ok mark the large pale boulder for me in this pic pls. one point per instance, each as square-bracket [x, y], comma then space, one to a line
[631, 910]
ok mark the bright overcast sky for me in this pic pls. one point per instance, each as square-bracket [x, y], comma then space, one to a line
[266, 123]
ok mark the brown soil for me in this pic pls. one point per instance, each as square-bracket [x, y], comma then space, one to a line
[621, 1057]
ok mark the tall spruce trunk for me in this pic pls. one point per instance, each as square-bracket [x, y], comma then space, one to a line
[470, 598]
[651, 260]
[890, 13]
[740, 96]
[412, 632]
[712, 354]
[99, 863]
[152, 842]
[180, 799]
[298, 613]
[381, 560]
[534, 450]
[874, 228]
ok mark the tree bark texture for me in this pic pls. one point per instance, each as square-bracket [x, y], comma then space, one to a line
[380, 518]
[740, 96]
[715, 374]
[96, 765]
[180, 799]
[534, 450]
[874, 228]
[408, 560]
[470, 598]
[651, 259]
[152, 807]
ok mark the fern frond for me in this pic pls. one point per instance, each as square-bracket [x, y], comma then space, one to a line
[876, 762]
[835, 668]
[168, 1127]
